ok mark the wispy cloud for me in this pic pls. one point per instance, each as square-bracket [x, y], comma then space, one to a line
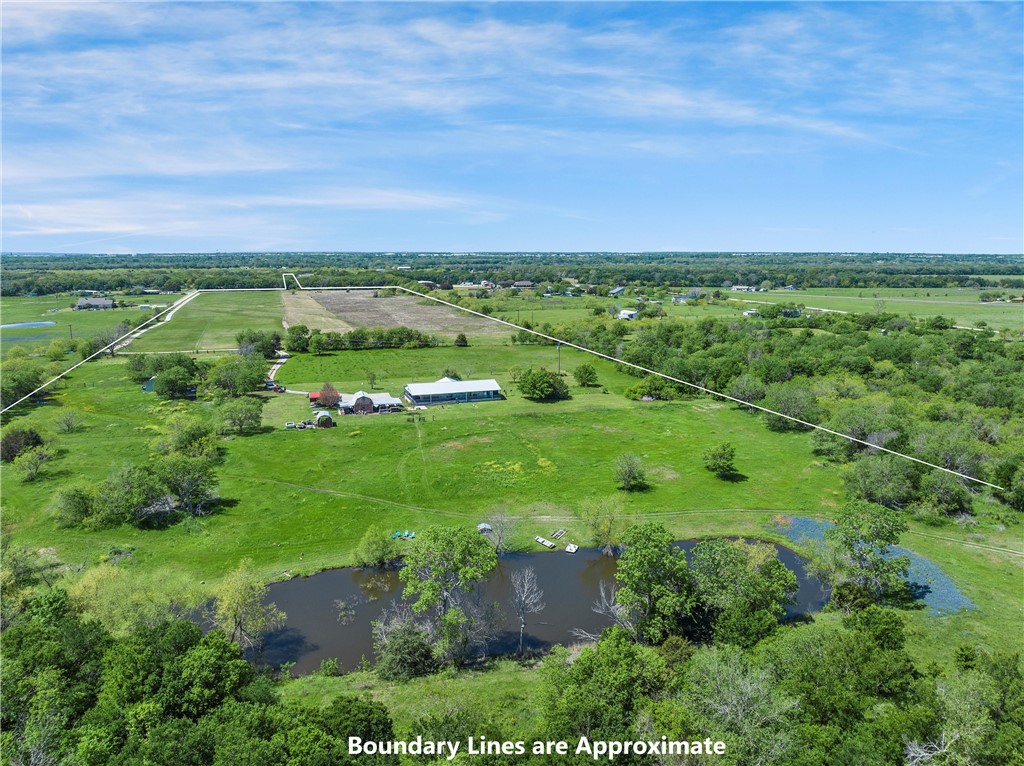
[123, 116]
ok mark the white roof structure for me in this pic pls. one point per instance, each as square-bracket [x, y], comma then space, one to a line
[379, 400]
[446, 386]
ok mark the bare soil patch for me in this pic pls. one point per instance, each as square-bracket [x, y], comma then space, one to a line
[360, 308]
[465, 442]
[301, 308]
[664, 473]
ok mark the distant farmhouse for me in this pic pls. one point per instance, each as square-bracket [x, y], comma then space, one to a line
[693, 295]
[616, 291]
[362, 403]
[94, 303]
[451, 391]
[744, 289]
[522, 283]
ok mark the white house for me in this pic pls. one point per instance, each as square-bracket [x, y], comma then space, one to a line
[627, 314]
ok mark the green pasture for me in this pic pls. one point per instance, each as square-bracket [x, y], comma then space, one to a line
[562, 310]
[347, 370]
[297, 502]
[959, 304]
[211, 321]
[69, 323]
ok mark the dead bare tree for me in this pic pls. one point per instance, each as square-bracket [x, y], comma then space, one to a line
[608, 606]
[527, 598]
[502, 527]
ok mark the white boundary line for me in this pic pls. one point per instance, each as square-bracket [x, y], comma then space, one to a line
[557, 341]
[135, 330]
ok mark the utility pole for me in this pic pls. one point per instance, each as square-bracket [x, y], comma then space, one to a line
[71, 332]
[559, 346]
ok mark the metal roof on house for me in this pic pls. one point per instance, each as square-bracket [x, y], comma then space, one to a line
[379, 400]
[449, 386]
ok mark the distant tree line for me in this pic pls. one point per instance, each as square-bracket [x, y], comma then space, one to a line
[48, 274]
[301, 339]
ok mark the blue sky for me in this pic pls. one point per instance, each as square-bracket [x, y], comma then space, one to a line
[173, 127]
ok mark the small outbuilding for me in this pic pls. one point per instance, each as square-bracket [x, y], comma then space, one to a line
[626, 314]
[323, 419]
[484, 528]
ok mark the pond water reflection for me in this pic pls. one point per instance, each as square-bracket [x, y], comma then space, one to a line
[571, 583]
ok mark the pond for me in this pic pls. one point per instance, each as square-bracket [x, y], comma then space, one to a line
[26, 324]
[571, 584]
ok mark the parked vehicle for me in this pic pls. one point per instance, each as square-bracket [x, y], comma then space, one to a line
[289, 424]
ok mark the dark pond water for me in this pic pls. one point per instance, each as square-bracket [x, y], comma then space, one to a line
[571, 584]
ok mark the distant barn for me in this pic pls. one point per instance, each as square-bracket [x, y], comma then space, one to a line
[362, 403]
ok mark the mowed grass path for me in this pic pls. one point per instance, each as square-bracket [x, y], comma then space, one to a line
[211, 321]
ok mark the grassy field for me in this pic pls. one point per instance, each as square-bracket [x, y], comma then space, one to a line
[395, 367]
[959, 304]
[305, 497]
[298, 501]
[563, 310]
[212, 320]
[69, 323]
[504, 689]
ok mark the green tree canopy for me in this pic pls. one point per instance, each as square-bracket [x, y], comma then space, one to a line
[542, 385]
[585, 375]
[238, 608]
[443, 564]
[862, 536]
[654, 581]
